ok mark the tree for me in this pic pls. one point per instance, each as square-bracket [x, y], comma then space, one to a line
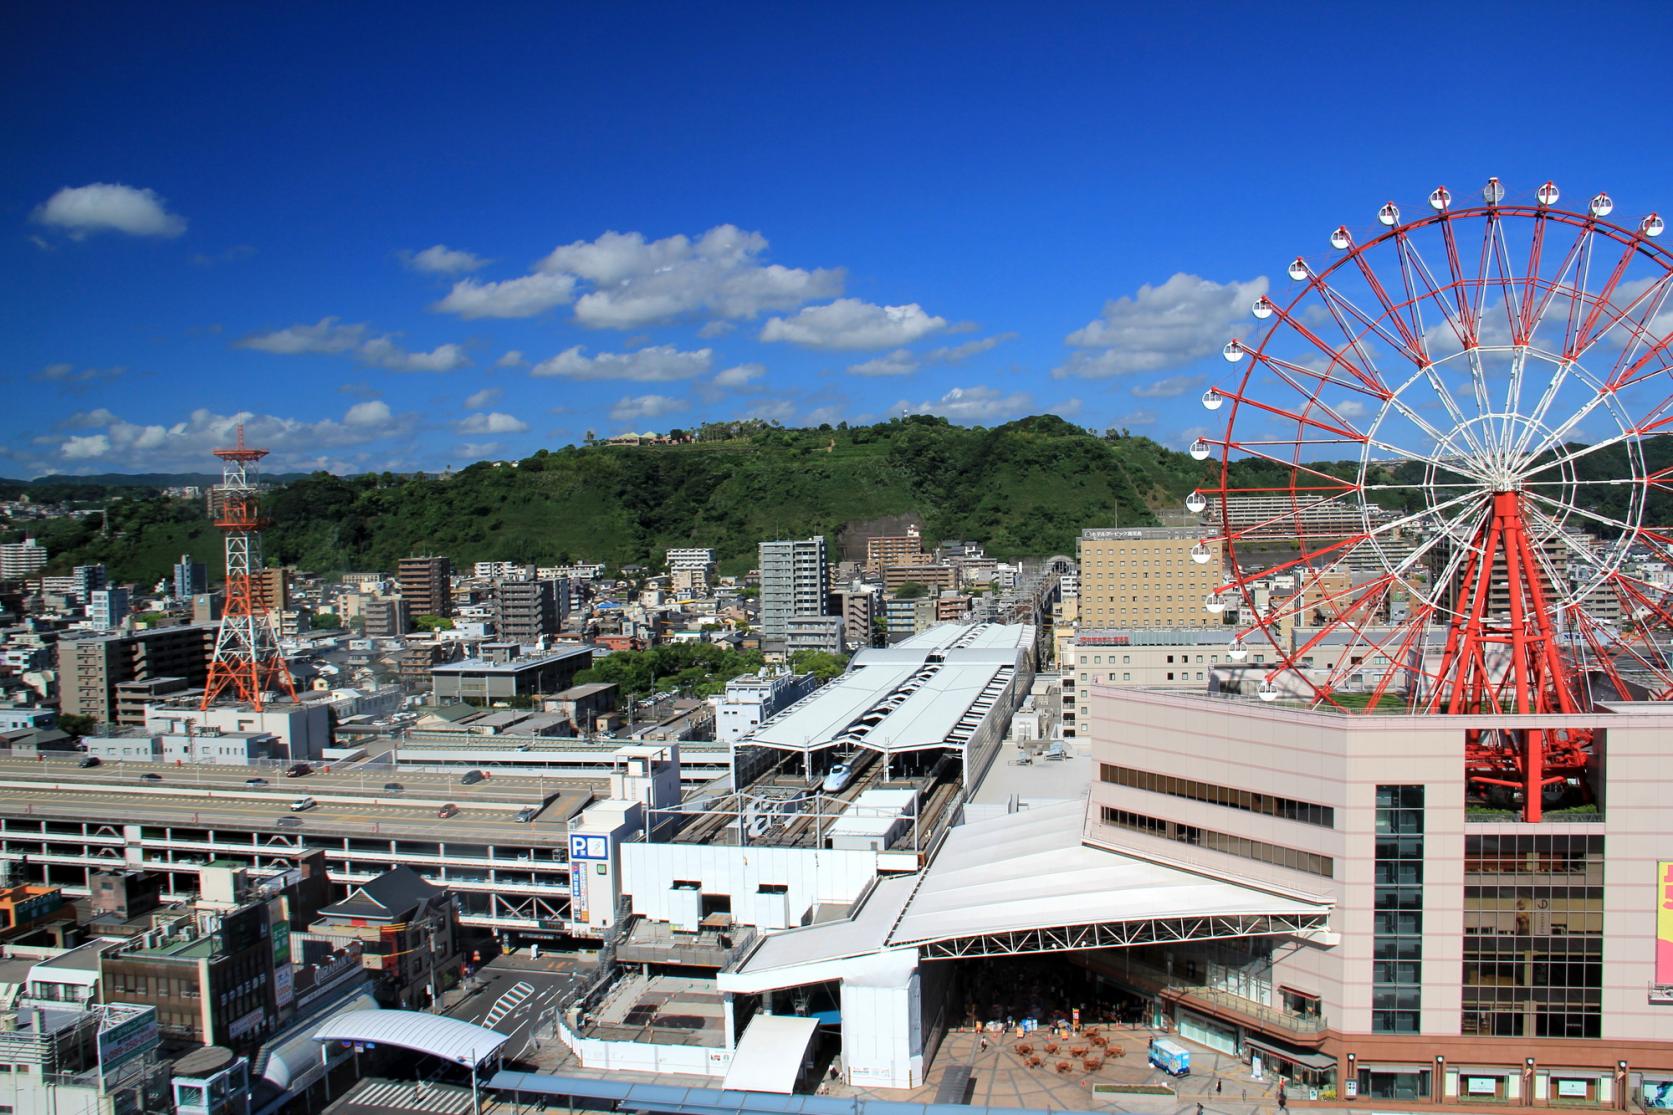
[326, 620]
[821, 664]
[911, 590]
[76, 724]
[432, 623]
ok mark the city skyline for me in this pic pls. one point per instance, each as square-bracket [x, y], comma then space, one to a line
[414, 243]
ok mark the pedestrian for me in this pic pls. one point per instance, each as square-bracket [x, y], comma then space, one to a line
[984, 1044]
[1218, 1085]
[1199, 1109]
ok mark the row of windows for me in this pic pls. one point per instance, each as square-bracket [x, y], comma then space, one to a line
[1270, 805]
[1293, 858]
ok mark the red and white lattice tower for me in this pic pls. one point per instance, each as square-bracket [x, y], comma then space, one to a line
[1444, 480]
[247, 662]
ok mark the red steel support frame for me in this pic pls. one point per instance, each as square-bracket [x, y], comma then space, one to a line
[1534, 681]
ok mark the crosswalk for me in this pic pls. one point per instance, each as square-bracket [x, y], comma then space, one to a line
[435, 1099]
[507, 1003]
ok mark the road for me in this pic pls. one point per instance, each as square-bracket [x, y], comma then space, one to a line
[549, 979]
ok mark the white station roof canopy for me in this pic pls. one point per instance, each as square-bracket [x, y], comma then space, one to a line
[998, 885]
[1029, 870]
[932, 690]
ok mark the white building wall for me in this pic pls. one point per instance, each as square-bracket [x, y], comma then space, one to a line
[812, 875]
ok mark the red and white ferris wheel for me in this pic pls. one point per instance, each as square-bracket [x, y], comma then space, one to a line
[1441, 485]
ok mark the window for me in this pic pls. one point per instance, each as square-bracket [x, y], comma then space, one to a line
[1533, 929]
[1292, 858]
[1397, 943]
[1287, 808]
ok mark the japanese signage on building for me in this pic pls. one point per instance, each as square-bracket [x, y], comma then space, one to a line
[1664, 923]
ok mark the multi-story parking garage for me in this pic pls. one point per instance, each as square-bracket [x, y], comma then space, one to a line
[60, 823]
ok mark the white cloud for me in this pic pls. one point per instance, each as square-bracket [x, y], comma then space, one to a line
[903, 362]
[900, 362]
[384, 353]
[439, 259]
[325, 335]
[524, 297]
[716, 329]
[635, 282]
[186, 444]
[1169, 387]
[954, 354]
[67, 376]
[108, 207]
[659, 364]
[1161, 327]
[849, 323]
[374, 412]
[83, 447]
[1137, 418]
[330, 336]
[482, 398]
[635, 407]
[512, 359]
[1351, 408]
[740, 376]
[972, 404]
[491, 423]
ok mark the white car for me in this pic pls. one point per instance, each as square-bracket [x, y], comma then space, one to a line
[302, 805]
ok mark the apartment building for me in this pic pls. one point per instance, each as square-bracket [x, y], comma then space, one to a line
[1148, 577]
[427, 584]
[900, 549]
[92, 666]
[527, 611]
[933, 577]
[857, 606]
[21, 559]
[793, 576]
[188, 578]
[107, 608]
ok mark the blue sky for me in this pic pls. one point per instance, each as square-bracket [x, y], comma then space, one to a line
[410, 236]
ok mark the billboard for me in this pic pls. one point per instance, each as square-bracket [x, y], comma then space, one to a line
[1664, 923]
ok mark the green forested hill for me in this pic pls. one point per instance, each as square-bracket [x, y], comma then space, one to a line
[1025, 488]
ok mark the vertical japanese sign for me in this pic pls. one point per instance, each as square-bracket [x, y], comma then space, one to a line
[1664, 923]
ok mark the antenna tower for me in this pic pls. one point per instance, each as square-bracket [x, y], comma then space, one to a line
[247, 661]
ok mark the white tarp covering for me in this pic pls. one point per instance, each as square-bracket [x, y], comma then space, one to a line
[770, 1054]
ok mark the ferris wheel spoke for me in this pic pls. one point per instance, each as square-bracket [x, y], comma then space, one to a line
[1464, 324]
[1410, 342]
[1536, 420]
[1553, 441]
[1640, 310]
[1340, 304]
[1308, 557]
[1583, 512]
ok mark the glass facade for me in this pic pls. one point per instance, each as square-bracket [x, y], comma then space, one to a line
[1533, 935]
[1397, 944]
[1230, 797]
[1257, 850]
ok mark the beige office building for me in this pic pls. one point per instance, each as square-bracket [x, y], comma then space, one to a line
[1145, 577]
[1471, 956]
